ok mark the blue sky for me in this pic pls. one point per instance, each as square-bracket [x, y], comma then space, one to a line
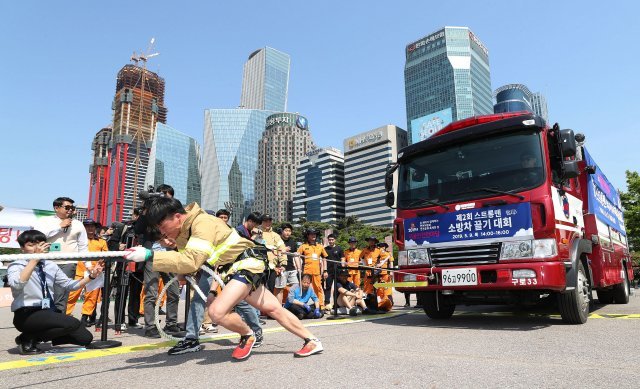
[59, 60]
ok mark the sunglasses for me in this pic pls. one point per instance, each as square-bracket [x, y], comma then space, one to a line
[68, 207]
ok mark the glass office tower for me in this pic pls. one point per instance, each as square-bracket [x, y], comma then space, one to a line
[175, 160]
[447, 78]
[265, 82]
[230, 159]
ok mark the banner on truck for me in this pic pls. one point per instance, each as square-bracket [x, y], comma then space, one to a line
[512, 220]
[604, 200]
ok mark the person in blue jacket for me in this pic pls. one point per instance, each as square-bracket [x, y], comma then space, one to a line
[303, 302]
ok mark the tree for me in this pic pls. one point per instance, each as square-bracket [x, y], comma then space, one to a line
[631, 205]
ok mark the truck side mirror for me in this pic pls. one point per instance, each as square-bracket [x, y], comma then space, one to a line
[570, 170]
[388, 182]
[390, 199]
[568, 145]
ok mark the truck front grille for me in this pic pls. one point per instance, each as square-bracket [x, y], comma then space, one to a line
[465, 255]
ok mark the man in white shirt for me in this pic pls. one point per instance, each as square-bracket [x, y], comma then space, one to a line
[71, 236]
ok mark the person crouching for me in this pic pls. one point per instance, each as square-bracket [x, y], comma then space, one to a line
[32, 285]
[303, 302]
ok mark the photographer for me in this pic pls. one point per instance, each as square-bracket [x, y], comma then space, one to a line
[152, 239]
[32, 286]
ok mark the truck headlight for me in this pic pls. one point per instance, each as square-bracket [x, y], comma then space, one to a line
[418, 256]
[525, 249]
[402, 258]
[516, 250]
[545, 248]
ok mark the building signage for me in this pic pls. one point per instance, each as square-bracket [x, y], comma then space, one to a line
[477, 42]
[513, 220]
[425, 126]
[288, 119]
[425, 41]
[364, 140]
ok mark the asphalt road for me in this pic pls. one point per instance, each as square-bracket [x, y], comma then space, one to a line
[478, 347]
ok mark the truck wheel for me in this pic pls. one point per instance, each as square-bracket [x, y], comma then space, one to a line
[605, 296]
[574, 305]
[621, 291]
[430, 306]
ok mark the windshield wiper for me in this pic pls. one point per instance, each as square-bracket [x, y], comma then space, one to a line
[493, 190]
[418, 202]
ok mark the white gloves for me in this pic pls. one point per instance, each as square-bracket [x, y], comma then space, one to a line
[138, 254]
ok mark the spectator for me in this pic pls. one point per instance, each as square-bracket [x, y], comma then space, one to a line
[369, 257]
[352, 260]
[312, 252]
[32, 284]
[349, 295]
[70, 234]
[385, 261]
[293, 261]
[303, 302]
[90, 297]
[246, 229]
[277, 261]
[335, 257]
[224, 215]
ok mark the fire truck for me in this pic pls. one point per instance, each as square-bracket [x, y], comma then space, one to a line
[503, 209]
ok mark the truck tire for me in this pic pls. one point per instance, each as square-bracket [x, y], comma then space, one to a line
[574, 305]
[605, 296]
[430, 306]
[621, 291]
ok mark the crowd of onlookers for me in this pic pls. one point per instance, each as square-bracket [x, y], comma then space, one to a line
[307, 277]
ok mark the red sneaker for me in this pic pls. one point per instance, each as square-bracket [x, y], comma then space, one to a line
[310, 347]
[243, 350]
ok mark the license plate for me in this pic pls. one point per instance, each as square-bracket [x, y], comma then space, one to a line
[458, 277]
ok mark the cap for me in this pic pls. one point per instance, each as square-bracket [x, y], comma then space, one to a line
[90, 221]
[352, 239]
[311, 231]
[343, 272]
[372, 238]
[266, 216]
[383, 244]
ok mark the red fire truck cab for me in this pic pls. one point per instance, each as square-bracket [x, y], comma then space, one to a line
[503, 209]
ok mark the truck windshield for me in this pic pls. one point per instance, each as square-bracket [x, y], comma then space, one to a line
[480, 168]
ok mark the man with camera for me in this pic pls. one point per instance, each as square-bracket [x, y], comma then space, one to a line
[153, 240]
[67, 235]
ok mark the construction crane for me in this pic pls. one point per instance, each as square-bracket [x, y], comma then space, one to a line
[137, 58]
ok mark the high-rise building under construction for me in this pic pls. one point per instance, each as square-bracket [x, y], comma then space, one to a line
[137, 106]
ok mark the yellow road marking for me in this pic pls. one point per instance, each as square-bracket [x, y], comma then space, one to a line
[407, 284]
[44, 359]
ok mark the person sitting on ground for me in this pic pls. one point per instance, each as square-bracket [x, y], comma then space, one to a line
[303, 301]
[35, 315]
[349, 295]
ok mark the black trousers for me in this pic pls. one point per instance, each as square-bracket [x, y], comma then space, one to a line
[327, 289]
[45, 325]
[135, 288]
[299, 312]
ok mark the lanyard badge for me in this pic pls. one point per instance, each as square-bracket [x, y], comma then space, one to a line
[46, 296]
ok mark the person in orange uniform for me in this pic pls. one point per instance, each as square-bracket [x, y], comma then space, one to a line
[352, 260]
[312, 255]
[96, 243]
[369, 257]
[384, 262]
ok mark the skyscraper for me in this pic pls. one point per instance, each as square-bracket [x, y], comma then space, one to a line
[447, 78]
[366, 157]
[138, 106]
[231, 136]
[230, 159]
[265, 82]
[285, 142]
[539, 104]
[99, 175]
[175, 160]
[512, 98]
[320, 187]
